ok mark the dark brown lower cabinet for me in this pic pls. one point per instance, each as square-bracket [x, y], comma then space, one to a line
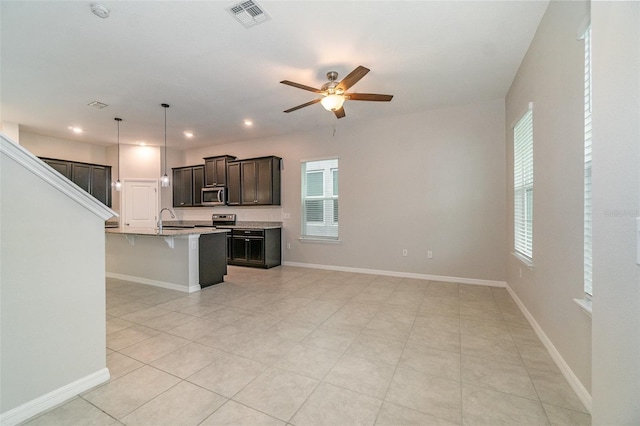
[255, 247]
[212, 266]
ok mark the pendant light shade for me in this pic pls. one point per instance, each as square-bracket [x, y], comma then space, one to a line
[117, 184]
[164, 180]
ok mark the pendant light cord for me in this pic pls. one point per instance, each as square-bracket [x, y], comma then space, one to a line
[165, 106]
[119, 149]
[118, 120]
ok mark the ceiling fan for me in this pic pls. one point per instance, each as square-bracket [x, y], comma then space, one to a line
[334, 92]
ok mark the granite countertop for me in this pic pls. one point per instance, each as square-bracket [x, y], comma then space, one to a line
[238, 225]
[165, 232]
[253, 225]
[193, 227]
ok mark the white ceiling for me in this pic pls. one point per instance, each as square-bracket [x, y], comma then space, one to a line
[57, 57]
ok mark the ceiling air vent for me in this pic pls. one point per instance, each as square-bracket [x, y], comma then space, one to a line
[249, 13]
[97, 104]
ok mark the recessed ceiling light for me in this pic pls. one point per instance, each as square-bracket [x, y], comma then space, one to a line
[75, 129]
[188, 134]
[100, 11]
[248, 123]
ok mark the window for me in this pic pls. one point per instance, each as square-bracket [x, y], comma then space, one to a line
[523, 186]
[587, 165]
[320, 199]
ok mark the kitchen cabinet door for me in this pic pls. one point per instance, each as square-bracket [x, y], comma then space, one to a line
[198, 183]
[101, 184]
[248, 180]
[81, 175]
[248, 250]
[62, 167]
[183, 187]
[215, 170]
[233, 184]
[264, 182]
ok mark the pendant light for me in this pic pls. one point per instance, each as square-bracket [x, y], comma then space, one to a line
[165, 178]
[117, 185]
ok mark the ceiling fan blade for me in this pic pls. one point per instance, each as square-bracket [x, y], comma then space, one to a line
[339, 112]
[368, 97]
[353, 77]
[315, 101]
[301, 86]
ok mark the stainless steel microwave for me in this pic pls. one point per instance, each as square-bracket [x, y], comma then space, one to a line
[214, 196]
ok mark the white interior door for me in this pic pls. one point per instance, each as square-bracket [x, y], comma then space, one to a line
[140, 198]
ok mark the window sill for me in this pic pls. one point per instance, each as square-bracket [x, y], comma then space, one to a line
[523, 259]
[585, 305]
[319, 240]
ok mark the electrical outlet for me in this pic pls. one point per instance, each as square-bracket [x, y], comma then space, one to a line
[405, 253]
[288, 246]
[429, 254]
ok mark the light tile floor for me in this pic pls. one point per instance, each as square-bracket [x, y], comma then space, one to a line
[309, 347]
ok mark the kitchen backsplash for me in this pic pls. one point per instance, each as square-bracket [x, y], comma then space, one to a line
[243, 214]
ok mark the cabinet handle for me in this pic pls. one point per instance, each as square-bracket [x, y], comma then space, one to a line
[247, 240]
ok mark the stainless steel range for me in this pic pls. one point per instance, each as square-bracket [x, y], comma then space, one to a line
[223, 219]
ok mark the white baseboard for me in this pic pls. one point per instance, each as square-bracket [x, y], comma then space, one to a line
[566, 371]
[51, 399]
[461, 280]
[155, 283]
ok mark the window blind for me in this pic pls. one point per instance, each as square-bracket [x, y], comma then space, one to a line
[320, 199]
[588, 251]
[523, 186]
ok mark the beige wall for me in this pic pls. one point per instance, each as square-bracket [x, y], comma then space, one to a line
[428, 181]
[46, 146]
[552, 77]
[52, 294]
[11, 130]
[616, 204]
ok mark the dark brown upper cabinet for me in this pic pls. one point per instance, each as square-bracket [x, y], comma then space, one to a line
[254, 181]
[215, 170]
[187, 186]
[93, 178]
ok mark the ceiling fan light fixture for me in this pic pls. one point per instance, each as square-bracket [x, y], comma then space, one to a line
[332, 102]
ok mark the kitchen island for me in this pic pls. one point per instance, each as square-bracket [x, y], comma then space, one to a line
[178, 259]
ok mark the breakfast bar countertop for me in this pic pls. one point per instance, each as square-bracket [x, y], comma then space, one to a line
[165, 232]
[189, 224]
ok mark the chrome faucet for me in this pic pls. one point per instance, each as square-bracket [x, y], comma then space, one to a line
[160, 218]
